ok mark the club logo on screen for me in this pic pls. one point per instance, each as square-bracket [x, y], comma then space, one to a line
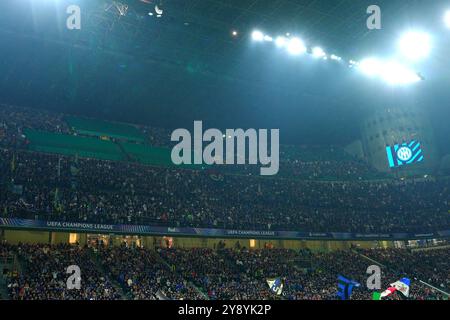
[404, 154]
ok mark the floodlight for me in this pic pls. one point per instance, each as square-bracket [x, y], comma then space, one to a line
[296, 46]
[318, 52]
[415, 45]
[257, 35]
[335, 57]
[370, 66]
[281, 42]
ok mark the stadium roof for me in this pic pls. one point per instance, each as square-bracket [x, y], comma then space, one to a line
[197, 33]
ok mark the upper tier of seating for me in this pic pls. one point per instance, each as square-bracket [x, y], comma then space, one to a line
[89, 138]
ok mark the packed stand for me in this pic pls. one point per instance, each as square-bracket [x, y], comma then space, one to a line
[222, 274]
[306, 275]
[44, 274]
[143, 276]
[219, 277]
[429, 265]
[51, 187]
[13, 121]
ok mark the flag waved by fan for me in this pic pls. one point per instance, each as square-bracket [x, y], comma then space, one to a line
[401, 286]
[275, 285]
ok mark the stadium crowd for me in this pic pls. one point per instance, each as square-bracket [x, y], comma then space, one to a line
[216, 274]
[144, 276]
[63, 188]
[429, 265]
[201, 273]
[52, 187]
[13, 121]
[44, 274]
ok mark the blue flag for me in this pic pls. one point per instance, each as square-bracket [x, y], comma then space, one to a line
[345, 287]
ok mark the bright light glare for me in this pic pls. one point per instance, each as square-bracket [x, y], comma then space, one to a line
[371, 66]
[415, 45]
[396, 74]
[257, 35]
[318, 52]
[391, 72]
[296, 46]
[447, 19]
[281, 42]
[268, 38]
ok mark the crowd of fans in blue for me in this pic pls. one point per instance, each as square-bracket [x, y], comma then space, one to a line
[122, 272]
[56, 187]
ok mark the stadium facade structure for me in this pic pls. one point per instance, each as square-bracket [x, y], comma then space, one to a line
[395, 124]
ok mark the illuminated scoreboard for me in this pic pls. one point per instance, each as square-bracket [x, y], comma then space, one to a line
[404, 154]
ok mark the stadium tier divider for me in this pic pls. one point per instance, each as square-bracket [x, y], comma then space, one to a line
[85, 147]
[96, 148]
[99, 128]
[146, 154]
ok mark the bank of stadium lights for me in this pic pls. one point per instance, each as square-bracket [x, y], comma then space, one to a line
[391, 72]
[293, 45]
